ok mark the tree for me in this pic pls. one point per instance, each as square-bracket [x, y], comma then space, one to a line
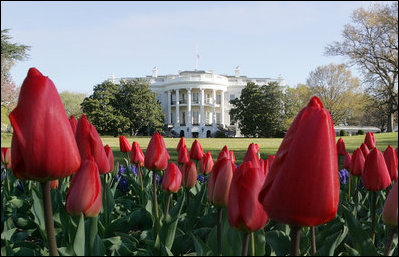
[259, 110]
[101, 109]
[335, 87]
[371, 43]
[72, 103]
[139, 104]
[295, 99]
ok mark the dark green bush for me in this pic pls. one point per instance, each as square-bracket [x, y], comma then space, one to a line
[360, 132]
[343, 133]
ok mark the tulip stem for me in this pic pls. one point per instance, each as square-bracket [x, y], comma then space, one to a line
[219, 231]
[373, 205]
[252, 243]
[356, 194]
[167, 205]
[93, 234]
[188, 197]
[48, 218]
[295, 235]
[141, 180]
[313, 233]
[389, 241]
[245, 241]
[349, 183]
[154, 182]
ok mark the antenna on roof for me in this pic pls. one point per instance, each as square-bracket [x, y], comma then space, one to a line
[196, 57]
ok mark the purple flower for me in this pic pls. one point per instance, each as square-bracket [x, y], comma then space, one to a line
[343, 176]
[3, 176]
[134, 169]
[19, 185]
[201, 178]
[122, 185]
[158, 179]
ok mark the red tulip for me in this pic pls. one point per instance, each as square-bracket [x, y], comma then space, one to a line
[180, 144]
[357, 163]
[156, 156]
[268, 163]
[136, 154]
[206, 164]
[43, 145]
[124, 145]
[183, 155]
[257, 150]
[244, 211]
[219, 182]
[196, 151]
[110, 157]
[54, 184]
[74, 124]
[189, 175]
[347, 161]
[171, 179]
[90, 144]
[84, 193]
[375, 176]
[225, 153]
[390, 211]
[369, 140]
[341, 147]
[6, 157]
[365, 150]
[392, 162]
[396, 151]
[252, 156]
[302, 187]
[232, 156]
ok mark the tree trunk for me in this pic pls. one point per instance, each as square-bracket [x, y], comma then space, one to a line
[390, 122]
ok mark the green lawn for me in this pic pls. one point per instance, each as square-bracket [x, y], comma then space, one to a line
[267, 146]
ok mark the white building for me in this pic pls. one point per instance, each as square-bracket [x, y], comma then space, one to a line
[197, 103]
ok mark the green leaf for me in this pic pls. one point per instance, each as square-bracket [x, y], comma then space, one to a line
[201, 248]
[260, 242]
[38, 211]
[79, 240]
[279, 242]
[329, 244]
[6, 235]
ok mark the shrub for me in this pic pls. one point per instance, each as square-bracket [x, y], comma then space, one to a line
[360, 132]
[343, 133]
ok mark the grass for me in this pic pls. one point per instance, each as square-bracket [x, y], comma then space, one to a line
[267, 146]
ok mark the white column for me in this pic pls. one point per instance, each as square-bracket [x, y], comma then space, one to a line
[169, 108]
[222, 107]
[177, 122]
[202, 122]
[214, 108]
[189, 107]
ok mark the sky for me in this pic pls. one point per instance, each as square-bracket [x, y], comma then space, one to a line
[81, 44]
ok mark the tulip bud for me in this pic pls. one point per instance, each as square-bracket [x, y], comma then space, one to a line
[375, 175]
[341, 150]
[90, 144]
[74, 124]
[347, 161]
[84, 193]
[6, 157]
[180, 144]
[357, 162]
[257, 150]
[244, 211]
[196, 151]
[171, 179]
[365, 150]
[392, 162]
[43, 146]
[369, 140]
[206, 164]
[390, 211]
[252, 156]
[124, 145]
[302, 187]
[189, 175]
[183, 155]
[54, 184]
[219, 182]
[156, 156]
[225, 153]
[110, 157]
[136, 155]
[232, 156]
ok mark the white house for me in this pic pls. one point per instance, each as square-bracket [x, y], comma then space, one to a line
[197, 103]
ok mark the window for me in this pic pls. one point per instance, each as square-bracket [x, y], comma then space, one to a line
[218, 118]
[208, 99]
[172, 117]
[173, 99]
[195, 118]
[182, 98]
[218, 99]
[195, 98]
[183, 120]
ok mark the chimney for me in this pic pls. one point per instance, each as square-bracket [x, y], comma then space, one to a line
[237, 71]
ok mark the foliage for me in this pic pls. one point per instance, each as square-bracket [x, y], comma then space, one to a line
[343, 133]
[360, 132]
[337, 90]
[259, 110]
[295, 99]
[371, 43]
[72, 103]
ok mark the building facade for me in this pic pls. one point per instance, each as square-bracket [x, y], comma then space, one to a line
[197, 103]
